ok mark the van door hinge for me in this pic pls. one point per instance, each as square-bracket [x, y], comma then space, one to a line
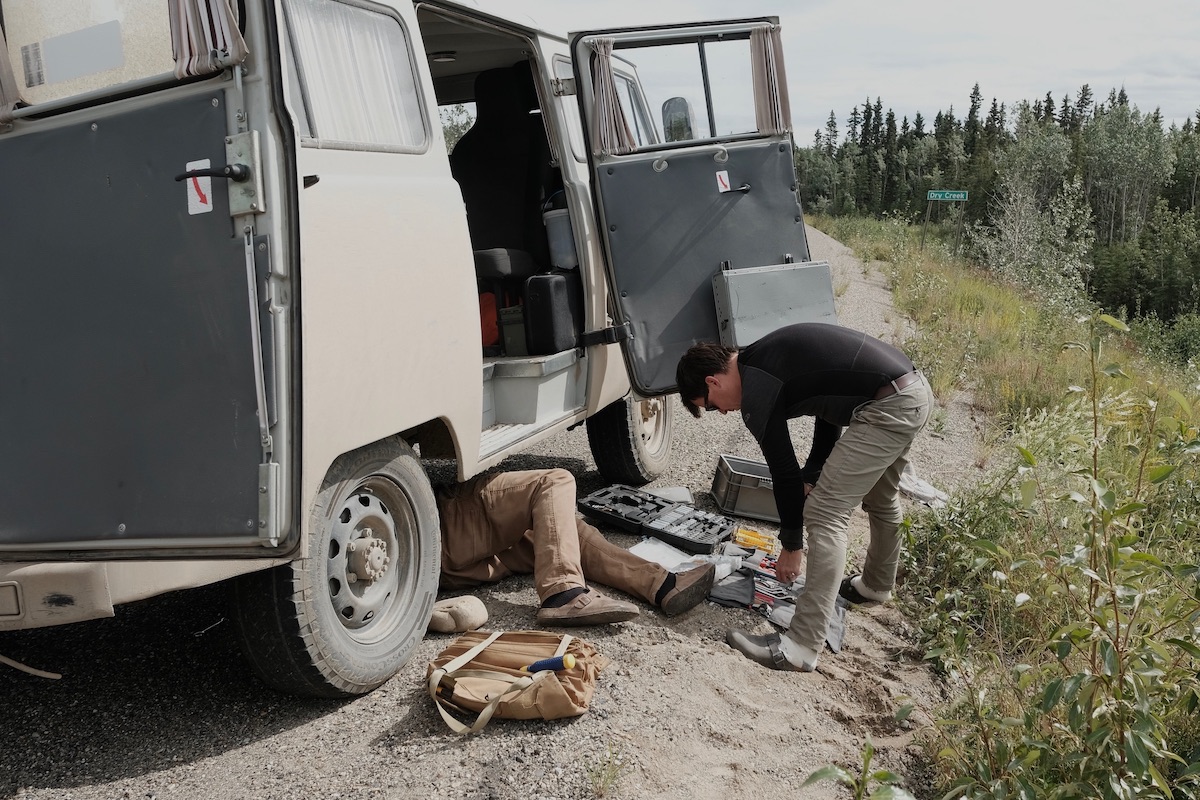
[563, 86]
[245, 196]
[270, 495]
[606, 336]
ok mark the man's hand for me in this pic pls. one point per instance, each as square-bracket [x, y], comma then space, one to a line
[788, 565]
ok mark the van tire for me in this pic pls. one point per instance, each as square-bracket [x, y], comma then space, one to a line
[311, 628]
[631, 439]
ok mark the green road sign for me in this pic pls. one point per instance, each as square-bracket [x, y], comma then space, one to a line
[947, 194]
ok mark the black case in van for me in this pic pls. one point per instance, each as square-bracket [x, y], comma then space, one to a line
[553, 312]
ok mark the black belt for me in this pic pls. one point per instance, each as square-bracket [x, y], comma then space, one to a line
[893, 386]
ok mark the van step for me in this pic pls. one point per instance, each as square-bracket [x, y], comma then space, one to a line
[504, 435]
[529, 366]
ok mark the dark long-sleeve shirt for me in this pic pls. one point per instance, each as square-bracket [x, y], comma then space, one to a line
[808, 369]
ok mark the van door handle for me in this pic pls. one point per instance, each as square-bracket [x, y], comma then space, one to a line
[744, 188]
[238, 173]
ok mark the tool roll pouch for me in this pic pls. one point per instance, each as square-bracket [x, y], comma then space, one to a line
[480, 674]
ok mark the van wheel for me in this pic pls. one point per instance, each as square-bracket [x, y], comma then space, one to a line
[347, 615]
[631, 439]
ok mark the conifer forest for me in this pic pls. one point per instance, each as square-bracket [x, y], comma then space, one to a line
[1082, 196]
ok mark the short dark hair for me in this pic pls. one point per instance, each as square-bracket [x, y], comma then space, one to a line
[700, 361]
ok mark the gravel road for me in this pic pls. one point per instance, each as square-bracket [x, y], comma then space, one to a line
[157, 702]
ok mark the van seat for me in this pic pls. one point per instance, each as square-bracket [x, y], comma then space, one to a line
[501, 164]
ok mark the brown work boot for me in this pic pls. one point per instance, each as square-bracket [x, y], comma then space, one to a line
[589, 608]
[691, 588]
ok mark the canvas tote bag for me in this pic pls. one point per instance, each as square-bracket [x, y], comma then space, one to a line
[480, 674]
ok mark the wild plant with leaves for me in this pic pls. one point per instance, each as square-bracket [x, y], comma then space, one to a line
[868, 784]
[1061, 599]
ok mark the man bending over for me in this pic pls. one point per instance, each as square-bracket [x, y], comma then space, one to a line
[845, 379]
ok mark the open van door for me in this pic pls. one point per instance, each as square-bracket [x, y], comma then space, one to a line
[693, 173]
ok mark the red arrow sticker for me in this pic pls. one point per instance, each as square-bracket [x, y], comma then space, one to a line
[199, 189]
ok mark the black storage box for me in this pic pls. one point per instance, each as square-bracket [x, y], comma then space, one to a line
[553, 312]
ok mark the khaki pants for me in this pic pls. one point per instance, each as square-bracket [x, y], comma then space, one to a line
[865, 468]
[525, 522]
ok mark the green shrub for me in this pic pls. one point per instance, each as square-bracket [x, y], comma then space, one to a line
[1059, 596]
[1060, 599]
[1176, 342]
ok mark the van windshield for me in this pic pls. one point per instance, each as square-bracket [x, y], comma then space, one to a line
[72, 47]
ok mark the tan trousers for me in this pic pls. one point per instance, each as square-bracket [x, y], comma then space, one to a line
[525, 522]
[865, 468]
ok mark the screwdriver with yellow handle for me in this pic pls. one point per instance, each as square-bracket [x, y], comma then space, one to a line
[556, 664]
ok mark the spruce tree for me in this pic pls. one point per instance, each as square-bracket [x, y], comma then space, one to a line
[971, 132]
[853, 124]
[831, 134]
[868, 127]
[994, 127]
[892, 175]
[1083, 104]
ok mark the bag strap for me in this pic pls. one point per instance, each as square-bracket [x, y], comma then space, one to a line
[517, 684]
[474, 651]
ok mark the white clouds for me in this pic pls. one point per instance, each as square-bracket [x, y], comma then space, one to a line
[925, 55]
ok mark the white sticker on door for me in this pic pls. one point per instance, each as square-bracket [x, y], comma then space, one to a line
[199, 189]
[723, 181]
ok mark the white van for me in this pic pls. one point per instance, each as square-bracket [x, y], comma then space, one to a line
[245, 291]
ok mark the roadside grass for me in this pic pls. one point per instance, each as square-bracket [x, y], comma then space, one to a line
[605, 773]
[1059, 596]
[974, 333]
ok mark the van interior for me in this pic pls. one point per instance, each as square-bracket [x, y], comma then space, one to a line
[530, 295]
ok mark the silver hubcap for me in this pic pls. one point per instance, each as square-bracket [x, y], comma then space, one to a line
[368, 546]
[649, 414]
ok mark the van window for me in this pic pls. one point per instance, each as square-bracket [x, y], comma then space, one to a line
[360, 85]
[703, 86]
[62, 49]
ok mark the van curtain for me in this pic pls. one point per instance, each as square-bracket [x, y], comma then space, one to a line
[205, 36]
[610, 130]
[772, 109]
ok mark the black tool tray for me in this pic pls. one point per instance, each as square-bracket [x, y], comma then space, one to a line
[641, 513]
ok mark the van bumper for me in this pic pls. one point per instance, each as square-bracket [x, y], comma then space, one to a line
[38, 595]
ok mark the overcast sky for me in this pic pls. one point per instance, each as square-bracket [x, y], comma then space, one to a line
[925, 55]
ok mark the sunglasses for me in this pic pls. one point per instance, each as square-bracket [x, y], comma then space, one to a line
[707, 405]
